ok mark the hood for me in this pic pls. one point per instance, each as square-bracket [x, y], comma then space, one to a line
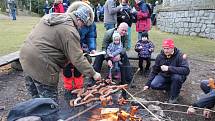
[56, 18]
[74, 6]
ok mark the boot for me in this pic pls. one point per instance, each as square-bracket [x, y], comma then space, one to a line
[118, 75]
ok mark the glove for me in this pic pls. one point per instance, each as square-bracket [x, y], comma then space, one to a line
[164, 68]
[97, 76]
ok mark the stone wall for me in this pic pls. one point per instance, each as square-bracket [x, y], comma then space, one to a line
[195, 19]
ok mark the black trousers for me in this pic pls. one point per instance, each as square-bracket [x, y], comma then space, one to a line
[148, 63]
[39, 90]
[126, 69]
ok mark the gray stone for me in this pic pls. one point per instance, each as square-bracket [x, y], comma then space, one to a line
[193, 34]
[211, 26]
[202, 34]
[207, 30]
[193, 20]
[181, 31]
[186, 24]
[197, 30]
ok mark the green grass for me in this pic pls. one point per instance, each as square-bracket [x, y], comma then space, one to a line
[13, 34]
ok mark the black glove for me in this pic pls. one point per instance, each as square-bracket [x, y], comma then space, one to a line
[67, 71]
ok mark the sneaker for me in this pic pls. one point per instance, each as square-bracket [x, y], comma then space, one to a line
[173, 100]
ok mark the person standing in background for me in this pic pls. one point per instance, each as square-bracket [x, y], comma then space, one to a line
[110, 14]
[58, 6]
[143, 23]
[46, 7]
[12, 8]
[125, 15]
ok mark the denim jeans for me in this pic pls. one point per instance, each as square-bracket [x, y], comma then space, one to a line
[129, 37]
[172, 84]
[13, 14]
[109, 26]
[39, 90]
[208, 101]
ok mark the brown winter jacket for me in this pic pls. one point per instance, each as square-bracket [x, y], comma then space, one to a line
[53, 42]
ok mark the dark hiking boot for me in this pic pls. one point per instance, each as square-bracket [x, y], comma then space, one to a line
[173, 100]
[141, 71]
[69, 96]
[146, 73]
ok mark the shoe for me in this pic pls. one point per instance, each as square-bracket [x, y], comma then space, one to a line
[118, 75]
[69, 96]
[146, 73]
[141, 71]
[173, 100]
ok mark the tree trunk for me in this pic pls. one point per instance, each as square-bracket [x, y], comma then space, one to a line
[3, 5]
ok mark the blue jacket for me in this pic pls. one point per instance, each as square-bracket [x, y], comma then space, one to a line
[88, 36]
[114, 49]
[144, 51]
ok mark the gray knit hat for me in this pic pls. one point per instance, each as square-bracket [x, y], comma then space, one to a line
[83, 13]
[116, 34]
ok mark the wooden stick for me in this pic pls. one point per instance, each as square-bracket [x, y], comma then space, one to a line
[159, 102]
[142, 105]
[82, 112]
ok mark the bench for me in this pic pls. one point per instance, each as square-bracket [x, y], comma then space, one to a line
[12, 58]
[7, 59]
[134, 56]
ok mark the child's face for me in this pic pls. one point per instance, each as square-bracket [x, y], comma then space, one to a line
[144, 38]
[117, 40]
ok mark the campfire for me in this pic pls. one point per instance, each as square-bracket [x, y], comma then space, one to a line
[106, 101]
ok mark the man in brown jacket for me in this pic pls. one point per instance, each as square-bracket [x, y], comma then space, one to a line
[54, 41]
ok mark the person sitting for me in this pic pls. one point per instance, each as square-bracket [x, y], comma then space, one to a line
[208, 101]
[113, 53]
[144, 47]
[170, 71]
[126, 75]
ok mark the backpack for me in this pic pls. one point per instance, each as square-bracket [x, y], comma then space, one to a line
[149, 9]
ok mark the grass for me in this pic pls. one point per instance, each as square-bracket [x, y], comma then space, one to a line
[15, 32]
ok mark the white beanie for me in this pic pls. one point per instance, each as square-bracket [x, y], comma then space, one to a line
[116, 34]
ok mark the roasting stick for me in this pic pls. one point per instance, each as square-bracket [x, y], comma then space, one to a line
[142, 105]
[82, 112]
[159, 102]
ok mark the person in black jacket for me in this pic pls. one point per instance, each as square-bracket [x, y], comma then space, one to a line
[170, 71]
[125, 15]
